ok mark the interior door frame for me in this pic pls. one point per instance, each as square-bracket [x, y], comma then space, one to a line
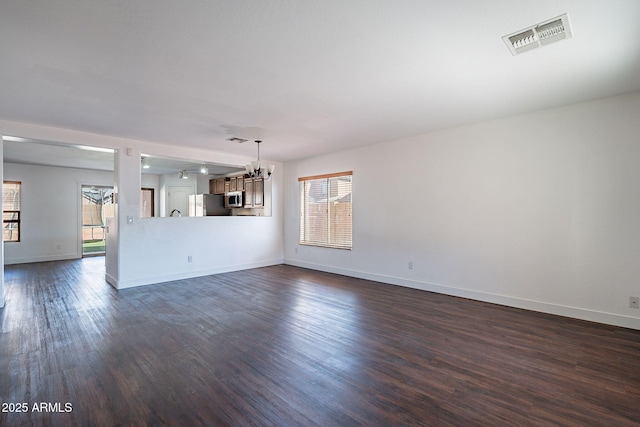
[80, 219]
[153, 200]
[169, 198]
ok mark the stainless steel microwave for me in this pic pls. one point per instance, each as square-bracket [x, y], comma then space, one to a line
[233, 199]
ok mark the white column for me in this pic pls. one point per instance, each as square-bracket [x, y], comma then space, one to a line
[127, 188]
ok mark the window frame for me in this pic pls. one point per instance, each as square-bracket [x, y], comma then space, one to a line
[17, 221]
[305, 231]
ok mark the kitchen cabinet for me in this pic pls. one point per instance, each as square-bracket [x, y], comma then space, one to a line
[258, 193]
[240, 183]
[248, 192]
[253, 193]
[236, 183]
[216, 186]
[226, 185]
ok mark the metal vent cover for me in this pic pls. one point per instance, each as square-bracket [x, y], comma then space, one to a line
[541, 34]
[236, 139]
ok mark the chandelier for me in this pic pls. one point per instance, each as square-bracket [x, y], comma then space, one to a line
[255, 169]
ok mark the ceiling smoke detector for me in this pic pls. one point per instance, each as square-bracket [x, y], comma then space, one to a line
[541, 34]
[236, 139]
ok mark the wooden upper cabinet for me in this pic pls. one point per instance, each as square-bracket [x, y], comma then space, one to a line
[248, 192]
[253, 193]
[225, 185]
[237, 183]
[240, 183]
[216, 186]
[258, 193]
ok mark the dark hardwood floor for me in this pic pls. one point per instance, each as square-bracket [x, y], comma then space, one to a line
[282, 346]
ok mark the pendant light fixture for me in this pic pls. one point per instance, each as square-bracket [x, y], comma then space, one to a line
[255, 169]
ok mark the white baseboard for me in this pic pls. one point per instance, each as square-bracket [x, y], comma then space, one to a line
[111, 280]
[543, 307]
[152, 280]
[43, 258]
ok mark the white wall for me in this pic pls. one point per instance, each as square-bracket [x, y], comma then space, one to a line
[155, 250]
[51, 214]
[158, 249]
[540, 211]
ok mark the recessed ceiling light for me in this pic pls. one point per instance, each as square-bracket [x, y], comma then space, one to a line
[541, 34]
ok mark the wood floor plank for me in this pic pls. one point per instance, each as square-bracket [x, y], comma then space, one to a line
[287, 346]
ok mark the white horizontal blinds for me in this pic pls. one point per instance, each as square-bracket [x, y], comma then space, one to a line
[11, 195]
[340, 219]
[326, 210]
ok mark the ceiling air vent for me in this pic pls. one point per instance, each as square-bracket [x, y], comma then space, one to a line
[236, 139]
[541, 34]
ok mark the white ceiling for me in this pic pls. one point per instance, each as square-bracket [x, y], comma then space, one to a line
[46, 153]
[306, 76]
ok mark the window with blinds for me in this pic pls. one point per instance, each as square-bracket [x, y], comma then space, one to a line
[325, 210]
[11, 211]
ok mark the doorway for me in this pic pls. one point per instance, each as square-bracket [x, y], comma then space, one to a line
[147, 203]
[178, 196]
[97, 206]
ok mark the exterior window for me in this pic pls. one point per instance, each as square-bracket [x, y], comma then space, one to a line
[325, 210]
[11, 192]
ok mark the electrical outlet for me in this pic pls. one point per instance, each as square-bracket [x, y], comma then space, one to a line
[634, 302]
[189, 258]
[410, 265]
